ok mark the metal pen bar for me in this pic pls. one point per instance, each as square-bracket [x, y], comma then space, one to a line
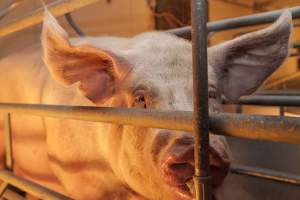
[73, 24]
[202, 183]
[232, 23]
[37, 16]
[279, 92]
[272, 128]
[3, 188]
[257, 127]
[8, 142]
[266, 174]
[270, 100]
[11, 195]
[31, 187]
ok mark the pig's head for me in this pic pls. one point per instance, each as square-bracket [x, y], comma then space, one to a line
[153, 71]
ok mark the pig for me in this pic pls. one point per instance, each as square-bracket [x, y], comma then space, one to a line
[88, 160]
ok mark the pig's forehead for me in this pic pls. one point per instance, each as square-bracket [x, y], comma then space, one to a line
[161, 56]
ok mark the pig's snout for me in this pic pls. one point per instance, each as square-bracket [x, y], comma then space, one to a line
[177, 167]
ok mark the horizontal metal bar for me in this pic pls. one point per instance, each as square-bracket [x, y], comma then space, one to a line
[270, 100]
[296, 45]
[272, 128]
[36, 17]
[30, 187]
[266, 174]
[232, 23]
[279, 92]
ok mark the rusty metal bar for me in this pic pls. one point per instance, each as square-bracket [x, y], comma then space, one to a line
[3, 187]
[8, 142]
[266, 174]
[199, 9]
[56, 8]
[272, 128]
[226, 24]
[31, 187]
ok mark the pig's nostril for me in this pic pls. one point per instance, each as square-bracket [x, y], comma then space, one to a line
[178, 173]
[179, 166]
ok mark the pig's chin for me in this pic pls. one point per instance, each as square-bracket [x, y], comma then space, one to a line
[187, 191]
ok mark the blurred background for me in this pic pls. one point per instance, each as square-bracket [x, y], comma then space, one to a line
[130, 17]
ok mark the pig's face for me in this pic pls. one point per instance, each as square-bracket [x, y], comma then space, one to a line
[154, 71]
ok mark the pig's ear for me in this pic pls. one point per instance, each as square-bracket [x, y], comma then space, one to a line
[242, 64]
[97, 71]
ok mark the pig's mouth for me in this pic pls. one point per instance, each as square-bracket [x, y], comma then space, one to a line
[187, 191]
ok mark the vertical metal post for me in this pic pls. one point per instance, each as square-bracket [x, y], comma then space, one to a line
[281, 110]
[239, 108]
[8, 142]
[199, 9]
[8, 150]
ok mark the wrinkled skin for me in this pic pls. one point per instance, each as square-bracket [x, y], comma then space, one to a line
[87, 160]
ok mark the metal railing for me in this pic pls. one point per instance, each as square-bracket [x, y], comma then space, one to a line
[272, 128]
[57, 8]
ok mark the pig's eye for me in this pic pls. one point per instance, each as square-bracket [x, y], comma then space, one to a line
[212, 94]
[140, 101]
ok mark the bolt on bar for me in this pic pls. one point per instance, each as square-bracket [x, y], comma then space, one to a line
[200, 100]
[56, 8]
[266, 174]
[226, 24]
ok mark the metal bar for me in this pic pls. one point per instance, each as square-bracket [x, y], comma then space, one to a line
[37, 16]
[31, 187]
[281, 111]
[8, 142]
[73, 24]
[257, 127]
[270, 100]
[10, 7]
[12, 195]
[202, 177]
[279, 92]
[3, 187]
[226, 24]
[266, 174]
[239, 108]
[296, 45]
[272, 128]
